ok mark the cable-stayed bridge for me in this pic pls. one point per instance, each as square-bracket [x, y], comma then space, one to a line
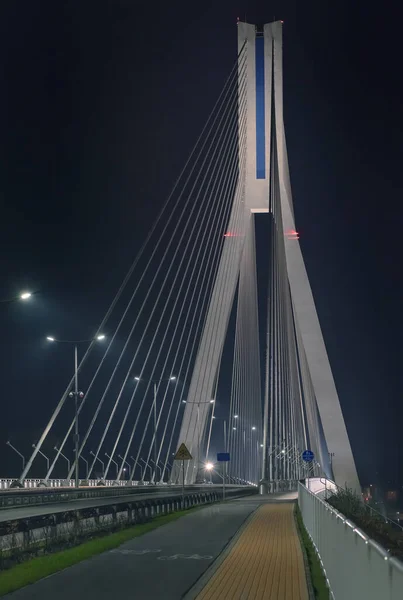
[193, 353]
[212, 341]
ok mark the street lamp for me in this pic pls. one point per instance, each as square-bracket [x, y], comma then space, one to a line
[209, 467]
[114, 461]
[21, 296]
[101, 461]
[76, 394]
[25, 295]
[155, 383]
[44, 456]
[18, 452]
[137, 464]
[65, 458]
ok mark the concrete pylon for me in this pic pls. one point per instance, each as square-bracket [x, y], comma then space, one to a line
[265, 137]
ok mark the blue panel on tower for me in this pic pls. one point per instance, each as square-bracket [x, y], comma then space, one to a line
[260, 120]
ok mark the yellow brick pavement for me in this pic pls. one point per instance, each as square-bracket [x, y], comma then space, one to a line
[266, 562]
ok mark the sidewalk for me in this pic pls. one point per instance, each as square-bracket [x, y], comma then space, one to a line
[264, 561]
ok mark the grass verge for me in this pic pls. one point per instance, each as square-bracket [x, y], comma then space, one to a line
[32, 570]
[318, 579]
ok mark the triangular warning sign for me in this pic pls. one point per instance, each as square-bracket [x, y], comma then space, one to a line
[183, 453]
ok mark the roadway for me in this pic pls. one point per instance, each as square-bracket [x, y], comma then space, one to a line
[160, 565]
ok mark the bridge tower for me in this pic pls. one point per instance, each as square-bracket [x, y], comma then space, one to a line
[300, 401]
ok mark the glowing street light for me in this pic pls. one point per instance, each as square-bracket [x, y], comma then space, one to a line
[253, 428]
[75, 394]
[235, 416]
[209, 467]
[25, 295]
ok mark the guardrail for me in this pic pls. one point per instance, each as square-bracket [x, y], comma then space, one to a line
[39, 496]
[355, 565]
[5, 484]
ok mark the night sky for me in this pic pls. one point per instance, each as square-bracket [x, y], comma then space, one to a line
[100, 105]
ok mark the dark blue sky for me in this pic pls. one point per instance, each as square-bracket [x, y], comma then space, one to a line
[100, 106]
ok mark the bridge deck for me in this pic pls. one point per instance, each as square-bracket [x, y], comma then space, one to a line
[264, 561]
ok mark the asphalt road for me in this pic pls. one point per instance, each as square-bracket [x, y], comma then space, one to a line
[160, 565]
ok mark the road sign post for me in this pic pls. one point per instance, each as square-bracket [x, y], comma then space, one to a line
[223, 457]
[307, 457]
[183, 454]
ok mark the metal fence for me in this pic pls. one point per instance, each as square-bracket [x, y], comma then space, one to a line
[355, 565]
[34, 483]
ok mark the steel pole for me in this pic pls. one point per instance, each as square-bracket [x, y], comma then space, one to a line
[224, 470]
[155, 431]
[76, 438]
[183, 484]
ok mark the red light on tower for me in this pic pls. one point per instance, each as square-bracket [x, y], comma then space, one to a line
[291, 234]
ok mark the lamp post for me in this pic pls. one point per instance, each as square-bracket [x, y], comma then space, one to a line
[101, 461]
[124, 462]
[145, 469]
[212, 401]
[18, 452]
[155, 383]
[65, 458]
[24, 296]
[209, 467]
[114, 461]
[86, 462]
[76, 394]
[157, 467]
[44, 455]
[140, 467]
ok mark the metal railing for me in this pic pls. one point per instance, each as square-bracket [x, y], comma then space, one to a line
[355, 565]
[5, 484]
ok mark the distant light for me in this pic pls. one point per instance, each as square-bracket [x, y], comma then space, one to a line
[137, 378]
[253, 428]
[211, 401]
[283, 452]
[184, 401]
[261, 445]
[213, 417]
[100, 337]
[50, 338]
[172, 378]
[209, 466]
[25, 295]
[235, 416]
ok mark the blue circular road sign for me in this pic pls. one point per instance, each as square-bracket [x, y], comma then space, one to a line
[308, 456]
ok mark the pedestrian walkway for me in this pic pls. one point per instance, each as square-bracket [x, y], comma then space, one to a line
[264, 562]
